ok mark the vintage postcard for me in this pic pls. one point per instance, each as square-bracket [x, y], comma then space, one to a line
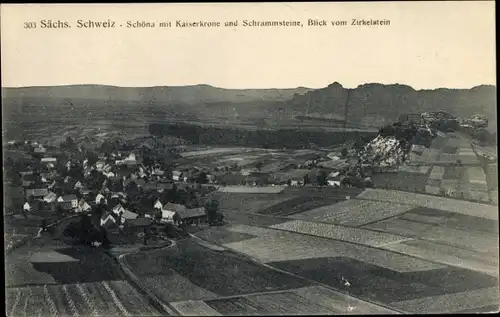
[250, 158]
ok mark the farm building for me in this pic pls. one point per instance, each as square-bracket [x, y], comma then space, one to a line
[37, 193]
[181, 215]
[193, 216]
[127, 215]
[50, 197]
[68, 202]
[137, 224]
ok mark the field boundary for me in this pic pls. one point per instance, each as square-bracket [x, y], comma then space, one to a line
[313, 282]
[135, 281]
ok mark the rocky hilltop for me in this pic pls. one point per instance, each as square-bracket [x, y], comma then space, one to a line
[377, 104]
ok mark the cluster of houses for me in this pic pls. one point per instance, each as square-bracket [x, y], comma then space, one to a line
[112, 183]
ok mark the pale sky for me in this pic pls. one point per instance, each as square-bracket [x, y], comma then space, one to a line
[427, 45]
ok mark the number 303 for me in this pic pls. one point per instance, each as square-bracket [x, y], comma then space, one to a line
[29, 25]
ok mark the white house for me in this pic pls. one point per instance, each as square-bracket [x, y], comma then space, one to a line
[176, 175]
[26, 206]
[83, 206]
[118, 209]
[78, 185]
[169, 216]
[99, 197]
[158, 205]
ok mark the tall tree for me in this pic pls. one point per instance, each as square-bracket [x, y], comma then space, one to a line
[322, 178]
[306, 179]
[202, 178]
[211, 209]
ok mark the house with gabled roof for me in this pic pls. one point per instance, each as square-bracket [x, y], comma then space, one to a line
[68, 202]
[118, 209]
[160, 202]
[78, 185]
[27, 206]
[108, 220]
[99, 197]
[83, 206]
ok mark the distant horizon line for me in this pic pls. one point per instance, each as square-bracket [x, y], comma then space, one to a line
[269, 88]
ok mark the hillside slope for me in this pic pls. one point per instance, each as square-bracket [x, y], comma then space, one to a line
[196, 94]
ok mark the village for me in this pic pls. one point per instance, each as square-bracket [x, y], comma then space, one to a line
[126, 190]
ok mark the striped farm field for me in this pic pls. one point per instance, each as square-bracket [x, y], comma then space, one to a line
[205, 272]
[380, 285]
[355, 235]
[437, 172]
[110, 298]
[276, 245]
[314, 300]
[440, 203]
[353, 212]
